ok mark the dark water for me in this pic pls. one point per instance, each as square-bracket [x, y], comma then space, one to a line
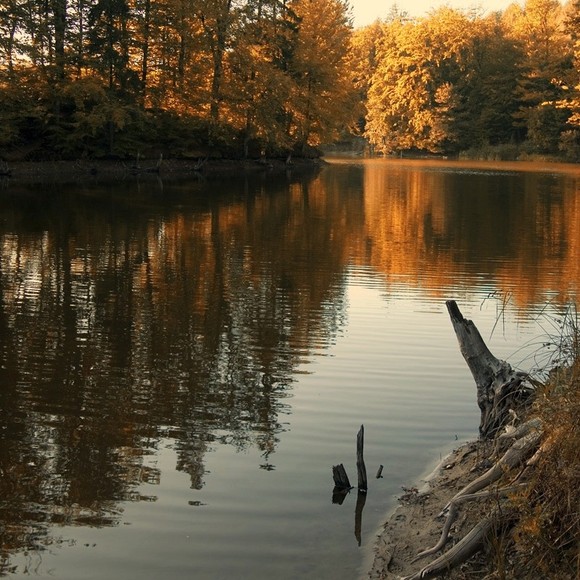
[182, 362]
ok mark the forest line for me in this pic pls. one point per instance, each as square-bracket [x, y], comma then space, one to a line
[252, 78]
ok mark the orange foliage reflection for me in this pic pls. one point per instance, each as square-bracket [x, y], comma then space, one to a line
[440, 226]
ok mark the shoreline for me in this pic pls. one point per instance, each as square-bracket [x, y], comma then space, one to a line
[87, 170]
[413, 525]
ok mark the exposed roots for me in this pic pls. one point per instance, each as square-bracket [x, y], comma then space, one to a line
[459, 553]
[515, 457]
[453, 511]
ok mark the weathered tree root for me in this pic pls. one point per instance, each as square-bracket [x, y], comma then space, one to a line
[453, 511]
[511, 434]
[500, 389]
[515, 456]
[502, 393]
[459, 553]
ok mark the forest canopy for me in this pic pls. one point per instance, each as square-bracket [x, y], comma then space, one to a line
[248, 78]
[106, 78]
[456, 80]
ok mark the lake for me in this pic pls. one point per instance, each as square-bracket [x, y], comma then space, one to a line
[184, 360]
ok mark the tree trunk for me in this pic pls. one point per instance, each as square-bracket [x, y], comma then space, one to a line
[59, 8]
[500, 389]
[145, 48]
[217, 36]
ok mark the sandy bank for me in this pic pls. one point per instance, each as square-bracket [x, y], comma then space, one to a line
[415, 526]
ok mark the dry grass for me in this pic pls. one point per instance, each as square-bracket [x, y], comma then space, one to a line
[545, 539]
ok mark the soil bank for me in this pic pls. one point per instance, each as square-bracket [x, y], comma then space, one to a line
[416, 525]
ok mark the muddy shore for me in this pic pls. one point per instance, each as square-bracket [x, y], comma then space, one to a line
[415, 524]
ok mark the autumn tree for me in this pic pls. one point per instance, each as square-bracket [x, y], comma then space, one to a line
[323, 96]
[362, 61]
[113, 77]
[216, 17]
[109, 41]
[412, 95]
[77, 47]
[570, 138]
[10, 18]
[545, 68]
[260, 86]
[487, 88]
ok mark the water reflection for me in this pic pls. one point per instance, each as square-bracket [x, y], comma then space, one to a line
[122, 323]
[516, 228]
[131, 314]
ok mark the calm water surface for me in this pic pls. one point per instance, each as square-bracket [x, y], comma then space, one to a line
[182, 362]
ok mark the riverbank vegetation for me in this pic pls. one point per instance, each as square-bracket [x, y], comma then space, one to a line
[254, 78]
[545, 538]
[187, 78]
[521, 505]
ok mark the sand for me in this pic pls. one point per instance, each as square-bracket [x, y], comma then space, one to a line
[415, 526]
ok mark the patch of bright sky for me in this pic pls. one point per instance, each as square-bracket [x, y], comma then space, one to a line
[367, 11]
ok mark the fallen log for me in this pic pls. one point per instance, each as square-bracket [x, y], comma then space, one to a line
[500, 389]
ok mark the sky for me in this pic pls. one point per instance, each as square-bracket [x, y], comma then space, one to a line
[367, 11]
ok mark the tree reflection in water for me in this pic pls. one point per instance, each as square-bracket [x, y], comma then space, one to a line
[131, 315]
[124, 320]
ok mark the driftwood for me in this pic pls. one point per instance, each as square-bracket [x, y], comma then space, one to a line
[501, 394]
[500, 389]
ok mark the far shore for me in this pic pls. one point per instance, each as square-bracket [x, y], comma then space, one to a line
[84, 170]
[39, 171]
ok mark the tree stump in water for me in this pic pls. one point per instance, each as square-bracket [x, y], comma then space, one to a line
[500, 389]
[360, 461]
